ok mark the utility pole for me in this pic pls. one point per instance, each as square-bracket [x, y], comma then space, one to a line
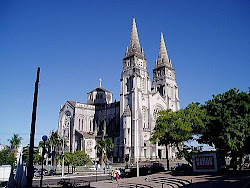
[30, 171]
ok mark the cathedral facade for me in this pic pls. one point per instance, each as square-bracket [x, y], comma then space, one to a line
[131, 121]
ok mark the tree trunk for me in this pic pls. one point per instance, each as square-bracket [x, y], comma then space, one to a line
[167, 157]
[240, 162]
[102, 159]
[52, 158]
[68, 168]
[234, 162]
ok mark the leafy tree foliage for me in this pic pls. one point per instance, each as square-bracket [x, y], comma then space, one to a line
[227, 123]
[37, 158]
[176, 127]
[68, 159]
[80, 158]
[26, 154]
[7, 157]
[59, 158]
[103, 146]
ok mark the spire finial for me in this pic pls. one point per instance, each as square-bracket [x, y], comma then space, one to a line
[100, 82]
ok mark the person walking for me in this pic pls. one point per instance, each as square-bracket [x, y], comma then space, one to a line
[112, 174]
[117, 176]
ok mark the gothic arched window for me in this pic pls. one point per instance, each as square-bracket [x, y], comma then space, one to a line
[79, 124]
[145, 117]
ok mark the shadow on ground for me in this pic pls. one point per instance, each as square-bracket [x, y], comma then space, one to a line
[229, 179]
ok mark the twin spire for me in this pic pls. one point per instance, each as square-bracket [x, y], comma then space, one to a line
[134, 44]
[163, 55]
[135, 48]
[134, 39]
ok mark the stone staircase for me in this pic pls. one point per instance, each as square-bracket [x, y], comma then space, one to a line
[168, 182]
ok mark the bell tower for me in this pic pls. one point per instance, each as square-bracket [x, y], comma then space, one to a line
[164, 78]
[135, 85]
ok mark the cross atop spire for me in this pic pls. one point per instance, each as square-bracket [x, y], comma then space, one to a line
[100, 82]
[163, 55]
[134, 44]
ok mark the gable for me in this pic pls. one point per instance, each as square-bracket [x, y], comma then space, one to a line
[158, 99]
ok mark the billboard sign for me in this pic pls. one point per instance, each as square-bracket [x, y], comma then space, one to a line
[204, 162]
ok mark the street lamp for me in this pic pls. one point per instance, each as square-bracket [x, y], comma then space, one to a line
[44, 138]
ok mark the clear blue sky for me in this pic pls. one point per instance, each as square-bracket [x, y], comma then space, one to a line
[77, 42]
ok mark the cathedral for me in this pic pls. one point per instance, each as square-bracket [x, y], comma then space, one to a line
[130, 121]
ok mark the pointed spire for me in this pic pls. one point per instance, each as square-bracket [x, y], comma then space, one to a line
[134, 44]
[134, 39]
[163, 55]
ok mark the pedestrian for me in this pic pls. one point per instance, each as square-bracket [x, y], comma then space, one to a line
[117, 176]
[104, 169]
[112, 174]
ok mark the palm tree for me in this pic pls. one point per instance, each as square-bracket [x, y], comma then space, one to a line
[103, 146]
[54, 141]
[15, 141]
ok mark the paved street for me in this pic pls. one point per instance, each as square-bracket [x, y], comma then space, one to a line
[78, 179]
[165, 179]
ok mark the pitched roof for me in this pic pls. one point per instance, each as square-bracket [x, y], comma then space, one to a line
[73, 103]
[99, 89]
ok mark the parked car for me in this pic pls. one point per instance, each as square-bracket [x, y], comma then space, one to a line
[145, 170]
[52, 172]
[183, 169]
[38, 172]
[157, 167]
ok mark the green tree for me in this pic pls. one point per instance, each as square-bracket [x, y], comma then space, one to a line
[54, 142]
[37, 158]
[80, 158]
[103, 146]
[68, 159]
[15, 141]
[176, 127]
[59, 158]
[26, 153]
[227, 123]
[7, 157]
